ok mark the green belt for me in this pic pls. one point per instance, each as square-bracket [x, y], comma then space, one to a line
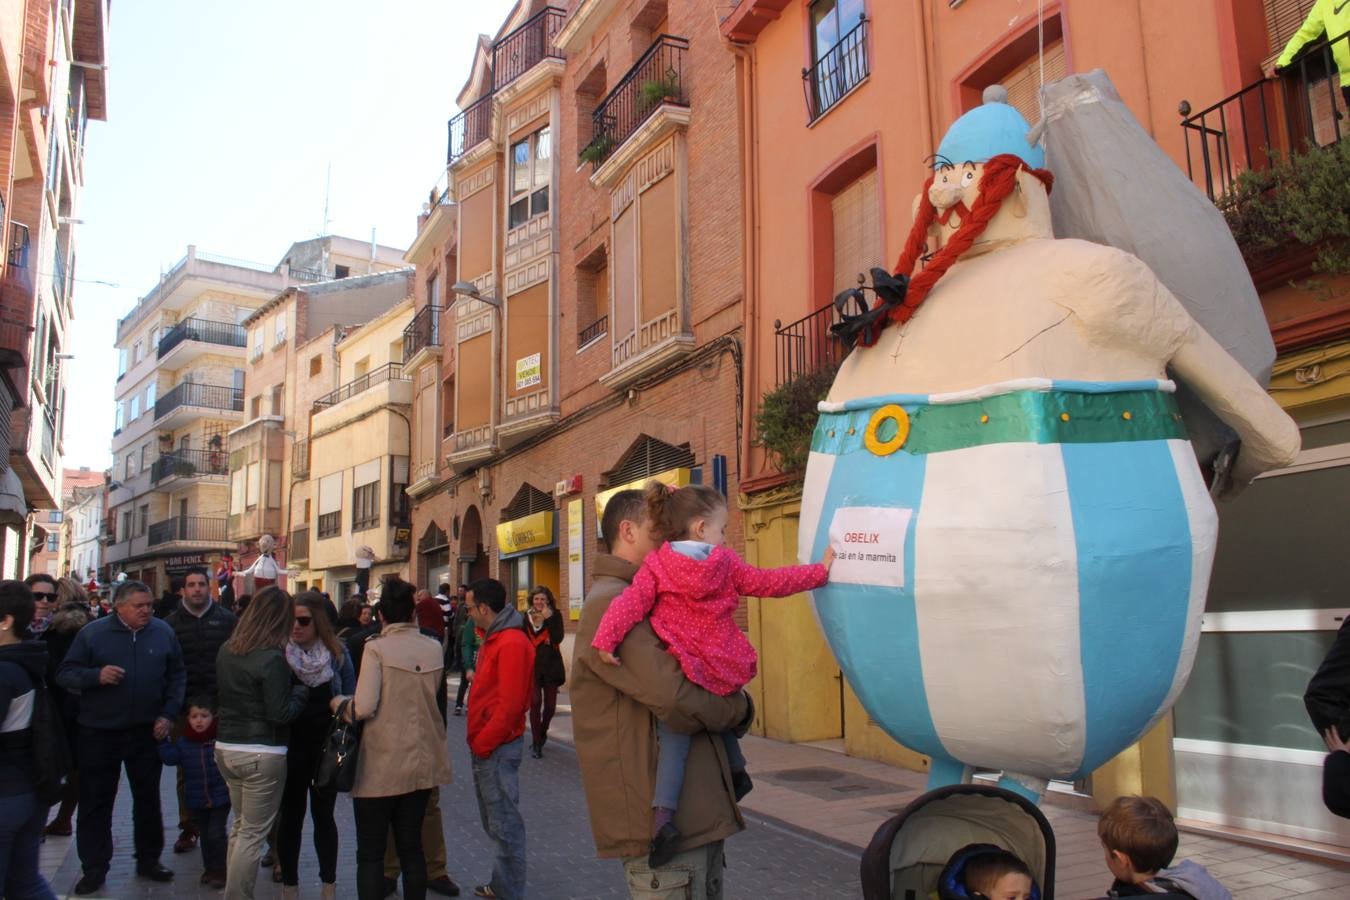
[1040, 417]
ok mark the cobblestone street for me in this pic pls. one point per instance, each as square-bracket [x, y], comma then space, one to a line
[766, 860]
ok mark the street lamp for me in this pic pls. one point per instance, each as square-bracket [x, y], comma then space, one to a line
[470, 290]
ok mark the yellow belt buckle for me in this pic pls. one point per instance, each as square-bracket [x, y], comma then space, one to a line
[887, 413]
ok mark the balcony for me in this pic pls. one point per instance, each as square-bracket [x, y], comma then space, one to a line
[469, 129]
[16, 303]
[188, 530]
[60, 283]
[196, 337]
[1298, 110]
[190, 465]
[654, 83]
[592, 332]
[838, 71]
[188, 401]
[527, 46]
[385, 373]
[300, 460]
[298, 548]
[469, 447]
[422, 334]
[806, 347]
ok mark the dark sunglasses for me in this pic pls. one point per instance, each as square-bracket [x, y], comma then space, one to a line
[48, 594]
[304, 620]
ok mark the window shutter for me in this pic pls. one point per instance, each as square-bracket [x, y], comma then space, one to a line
[254, 483]
[236, 492]
[330, 493]
[1283, 18]
[857, 231]
[400, 470]
[1024, 83]
[273, 484]
[367, 473]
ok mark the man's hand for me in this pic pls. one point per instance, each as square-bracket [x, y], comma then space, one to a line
[111, 675]
[162, 727]
[469, 674]
[608, 657]
[1334, 741]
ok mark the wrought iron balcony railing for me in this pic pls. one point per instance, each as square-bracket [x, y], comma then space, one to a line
[60, 283]
[592, 331]
[193, 329]
[386, 372]
[838, 71]
[18, 245]
[300, 459]
[187, 528]
[656, 78]
[806, 345]
[470, 128]
[423, 331]
[208, 396]
[1298, 110]
[527, 46]
[189, 464]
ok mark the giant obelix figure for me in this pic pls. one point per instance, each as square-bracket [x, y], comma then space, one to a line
[1025, 536]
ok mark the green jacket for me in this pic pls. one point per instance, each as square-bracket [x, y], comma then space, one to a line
[469, 642]
[256, 698]
[1329, 18]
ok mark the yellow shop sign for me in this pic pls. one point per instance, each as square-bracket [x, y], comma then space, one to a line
[672, 477]
[527, 533]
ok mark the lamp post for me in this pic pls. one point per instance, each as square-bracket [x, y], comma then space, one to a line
[470, 290]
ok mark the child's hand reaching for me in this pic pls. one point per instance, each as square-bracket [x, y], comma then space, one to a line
[828, 559]
[608, 657]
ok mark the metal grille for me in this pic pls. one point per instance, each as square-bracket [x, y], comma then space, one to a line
[527, 501]
[649, 457]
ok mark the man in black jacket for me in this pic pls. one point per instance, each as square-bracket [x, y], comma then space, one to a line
[202, 627]
[1328, 703]
[128, 669]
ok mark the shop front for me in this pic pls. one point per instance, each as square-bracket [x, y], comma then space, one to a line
[527, 553]
[673, 478]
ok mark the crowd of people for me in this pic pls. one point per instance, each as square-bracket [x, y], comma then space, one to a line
[241, 703]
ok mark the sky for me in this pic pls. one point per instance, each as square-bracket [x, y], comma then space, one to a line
[223, 121]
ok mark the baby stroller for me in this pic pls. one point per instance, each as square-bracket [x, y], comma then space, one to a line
[908, 854]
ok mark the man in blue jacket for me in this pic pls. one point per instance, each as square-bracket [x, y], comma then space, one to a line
[128, 668]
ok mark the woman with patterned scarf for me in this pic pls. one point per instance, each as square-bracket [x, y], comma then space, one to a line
[319, 661]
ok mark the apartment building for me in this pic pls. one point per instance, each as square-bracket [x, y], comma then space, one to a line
[82, 524]
[358, 444]
[52, 83]
[292, 361]
[861, 91]
[592, 341]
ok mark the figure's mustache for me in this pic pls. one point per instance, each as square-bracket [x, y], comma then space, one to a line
[959, 209]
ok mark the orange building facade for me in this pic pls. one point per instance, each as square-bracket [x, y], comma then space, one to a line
[594, 338]
[842, 103]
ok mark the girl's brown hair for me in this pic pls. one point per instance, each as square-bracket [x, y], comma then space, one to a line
[323, 628]
[68, 590]
[672, 510]
[266, 623]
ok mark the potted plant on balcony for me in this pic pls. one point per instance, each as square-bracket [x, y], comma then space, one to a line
[597, 149]
[654, 91]
[1290, 218]
[787, 417]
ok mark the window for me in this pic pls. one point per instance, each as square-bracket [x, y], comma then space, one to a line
[151, 393]
[341, 271]
[135, 408]
[254, 481]
[366, 495]
[279, 336]
[447, 407]
[592, 296]
[400, 506]
[143, 520]
[274, 484]
[129, 465]
[855, 213]
[127, 519]
[153, 340]
[838, 50]
[433, 292]
[277, 395]
[531, 163]
[136, 352]
[330, 505]
[257, 344]
[255, 407]
[54, 515]
[1024, 82]
[53, 543]
[118, 417]
[315, 365]
[145, 455]
[236, 492]
[121, 361]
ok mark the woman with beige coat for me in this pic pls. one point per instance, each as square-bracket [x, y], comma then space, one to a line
[400, 696]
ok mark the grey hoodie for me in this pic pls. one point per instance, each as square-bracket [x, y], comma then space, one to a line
[1191, 878]
[509, 617]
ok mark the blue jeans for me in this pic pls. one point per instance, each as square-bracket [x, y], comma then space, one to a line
[496, 781]
[22, 819]
[674, 752]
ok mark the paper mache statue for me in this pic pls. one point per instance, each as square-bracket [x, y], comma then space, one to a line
[1024, 536]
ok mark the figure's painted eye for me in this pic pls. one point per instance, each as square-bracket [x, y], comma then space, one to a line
[968, 178]
[944, 179]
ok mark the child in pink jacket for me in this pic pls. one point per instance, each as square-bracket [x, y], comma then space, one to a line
[691, 587]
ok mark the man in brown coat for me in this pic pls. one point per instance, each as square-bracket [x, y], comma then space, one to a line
[614, 712]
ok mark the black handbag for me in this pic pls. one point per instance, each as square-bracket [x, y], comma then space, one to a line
[342, 746]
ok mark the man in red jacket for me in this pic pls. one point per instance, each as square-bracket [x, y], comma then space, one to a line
[503, 675]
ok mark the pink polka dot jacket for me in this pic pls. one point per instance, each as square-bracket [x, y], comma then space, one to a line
[692, 603]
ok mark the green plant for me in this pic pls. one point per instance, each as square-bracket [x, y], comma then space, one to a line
[1303, 199]
[787, 417]
[597, 149]
[654, 90]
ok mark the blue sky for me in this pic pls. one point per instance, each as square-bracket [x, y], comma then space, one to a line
[222, 121]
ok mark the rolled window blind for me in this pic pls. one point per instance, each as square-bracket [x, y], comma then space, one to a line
[400, 470]
[857, 231]
[1283, 18]
[367, 473]
[330, 493]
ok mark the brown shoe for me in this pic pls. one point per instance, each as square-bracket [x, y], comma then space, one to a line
[186, 843]
[59, 828]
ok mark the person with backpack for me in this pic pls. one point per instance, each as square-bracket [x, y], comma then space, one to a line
[23, 698]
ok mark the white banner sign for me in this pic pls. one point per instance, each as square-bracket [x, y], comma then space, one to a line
[869, 545]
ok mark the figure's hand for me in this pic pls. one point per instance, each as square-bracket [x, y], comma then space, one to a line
[111, 675]
[609, 657]
[162, 728]
[334, 703]
[1334, 741]
[828, 559]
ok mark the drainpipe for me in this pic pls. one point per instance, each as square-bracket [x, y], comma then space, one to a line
[921, 60]
[745, 60]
